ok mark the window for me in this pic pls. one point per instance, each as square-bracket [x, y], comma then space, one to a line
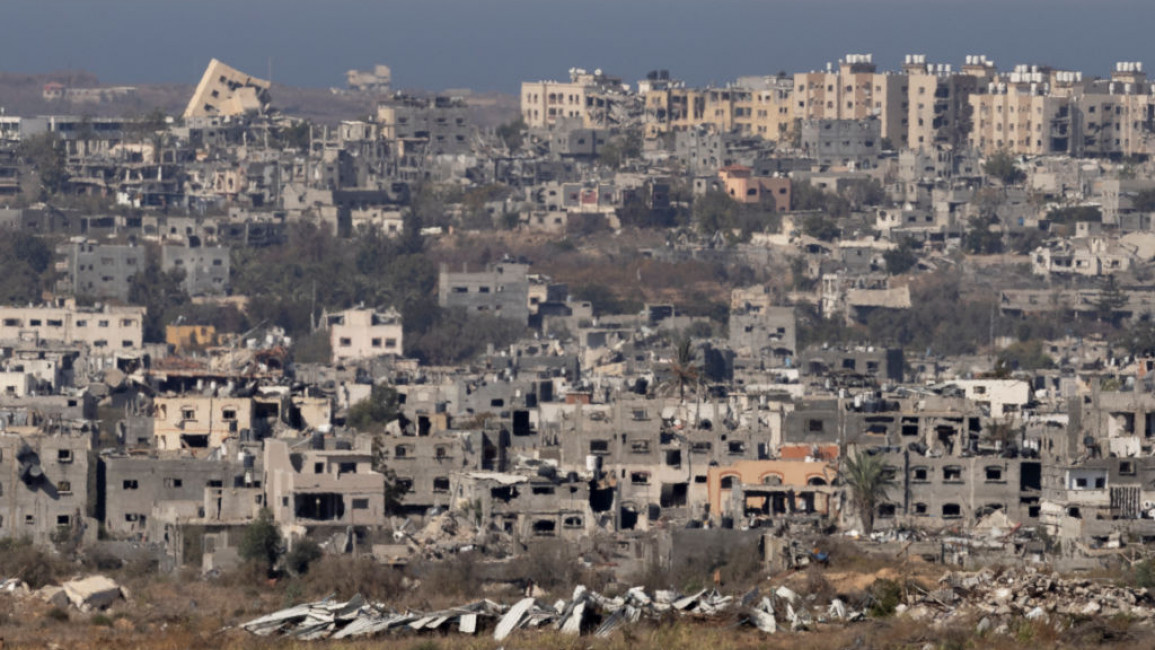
[390, 344]
[64, 455]
[188, 414]
[640, 478]
[600, 447]
[440, 484]
[886, 510]
[951, 511]
[375, 342]
[64, 487]
[815, 426]
[921, 509]
[347, 468]
[728, 482]
[30, 520]
[173, 482]
[360, 504]
[919, 475]
[952, 474]
[994, 474]
[345, 342]
[229, 414]
[130, 484]
[318, 468]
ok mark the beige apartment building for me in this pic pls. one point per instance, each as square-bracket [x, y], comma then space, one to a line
[763, 109]
[199, 422]
[107, 328]
[590, 97]
[854, 91]
[226, 91]
[1019, 115]
[361, 333]
[938, 108]
[1114, 117]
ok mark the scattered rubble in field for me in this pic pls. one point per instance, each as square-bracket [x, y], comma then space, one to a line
[587, 612]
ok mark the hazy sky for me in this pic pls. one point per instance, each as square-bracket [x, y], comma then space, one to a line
[494, 44]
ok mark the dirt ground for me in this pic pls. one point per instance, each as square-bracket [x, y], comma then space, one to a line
[170, 613]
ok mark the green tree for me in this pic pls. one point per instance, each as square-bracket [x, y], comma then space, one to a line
[685, 367]
[1110, 302]
[1001, 165]
[261, 541]
[161, 293]
[374, 412]
[45, 152]
[820, 227]
[902, 259]
[1139, 338]
[303, 554]
[980, 240]
[868, 480]
[714, 211]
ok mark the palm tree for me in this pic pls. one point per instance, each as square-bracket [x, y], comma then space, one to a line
[685, 371]
[868, 481]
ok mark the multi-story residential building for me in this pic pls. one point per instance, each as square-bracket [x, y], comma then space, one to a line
[324, 482]
[103, 328]
[201, 422]
[501, 290]
[206, 268]
[362, 333]
[854, 91]
[44, 483]
[938, 111]
[590, 97]
[436, 126]
[1019, 115]
[854, 144]
[101, 271]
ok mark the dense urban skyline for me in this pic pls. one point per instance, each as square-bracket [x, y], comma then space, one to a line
[494, 45]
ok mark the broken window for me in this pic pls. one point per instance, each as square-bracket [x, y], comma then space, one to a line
[728, 482]
[318, 468]
[952, 474]
[229, 415]
[640, 478]
[130, 484]
[402, 451]
[951, 510]
[572, 522]
[173, 482]
[1127, 467]
[736, 447]
[640, 446]
[921, 509]
[886, 510]
[360, 504]
[441, 484]
[600, 447]
[815, 426]
[188, 413]
[919, 475]
[194, 441]
[64, 455]
[544, 528]
[701, 447]
[64, 487]
[321, 506]
[674, 457]
[543, 489]
[994, 474]
[347, 468]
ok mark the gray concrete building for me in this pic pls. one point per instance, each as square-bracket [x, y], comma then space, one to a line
[206, 268]
[101, 271]
[843, 143]
[500, 290]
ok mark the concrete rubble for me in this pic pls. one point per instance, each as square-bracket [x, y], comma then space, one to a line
[92, 593]
[586, 612]
[993, 595]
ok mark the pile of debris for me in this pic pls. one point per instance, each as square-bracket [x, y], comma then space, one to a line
[85, 594]
[991, 594]
[587, 612]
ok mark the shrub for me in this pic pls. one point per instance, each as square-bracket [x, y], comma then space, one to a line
[346, 576]
[101, 620]
[57, 614]
[261, 542]
[886, 595]
[304, 553]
